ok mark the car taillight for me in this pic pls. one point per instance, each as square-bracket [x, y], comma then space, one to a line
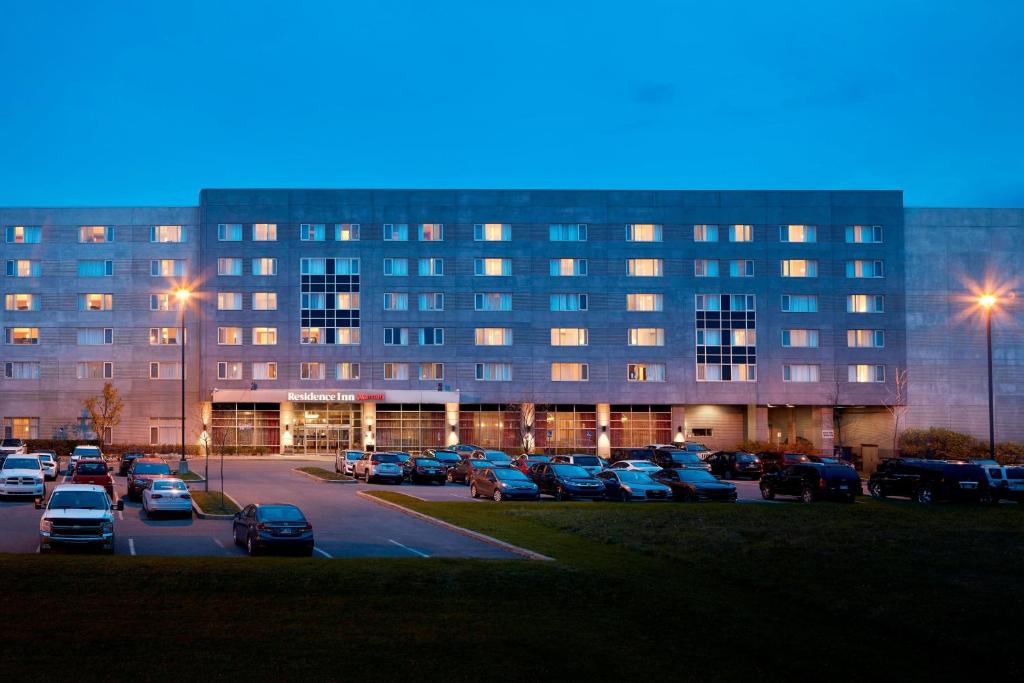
[156, 495]
[821, 483]
[308, 527]
[261, 527]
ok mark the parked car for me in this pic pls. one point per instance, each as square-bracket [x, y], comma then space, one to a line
[345, 461]
[13, 447]
[694, 485]
[524, 462]
[630, 454]
[828, 460]
[465, 448]
[447, 458]
[89, 471]
[127, 458]
[461, 473]
[166, 495]
[272, 526]
[625, 485]
[636, 465]
[929, 481]
[403, 456]
[566, 482]
[499, 458]
[677, 458]
[1014, 488]
[22, 475]
[502, 483]
[77, 515]
[379, 465]
[737, 465]
[813, 481]
[591, 463]
[93, 452]
[420, 470]
[775, 462]
[143, 470]
[48, 459]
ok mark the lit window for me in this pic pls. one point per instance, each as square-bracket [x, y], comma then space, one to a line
[396, 232]
[21, 302]
[95, 336]
[229, 370]
[645, 267]
[264, 232]
[798, 233]
[865, 339]
[264, 301]
[312, 232]
[646, 336]
[705, 233]
[799, 268]
[866, 373]
[801, 373]
[570, 372]
[643, 232]
[311, 370]
[800, 338]
[229, 301]
[396, 371]
[741, 233]
[229, 336]
[569, 336]
[865, 303]
[726, 373]
[492, 301]
[492, 232]
[264, 266]
[396, 266]
[568, 302]
[21, 335]
[23, 268]
[800, 303]
[312, 335]
[346, 371]
[568, 267]
[264, 370]
[743, 337]
[24, 234]
[346, 232]
[21, 370]
[167, 233]
[645, 372]
[229, 266]
[431, 232]
[567, 232]
[347, 301]
[864, 269]
[95, 234]
[264, 336]
[705, 267]
[493, 336]
[167, 268]
[164, 302]
[164, 336]
[95, 302]
[644, 302]
[493, 372]
[431, 266]
[492, 266]
[431, 371]
[857, 234]
[229, 232]
[346, 336]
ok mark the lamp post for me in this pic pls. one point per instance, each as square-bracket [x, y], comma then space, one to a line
[987, 301]
[182, 295]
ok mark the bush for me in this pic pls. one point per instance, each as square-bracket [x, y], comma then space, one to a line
[1010, 452]
[940, 443]
[801, 446]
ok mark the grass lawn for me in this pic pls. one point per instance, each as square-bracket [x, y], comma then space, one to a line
[188, 476]
[321, 473]
[875, 590]
[209, 501]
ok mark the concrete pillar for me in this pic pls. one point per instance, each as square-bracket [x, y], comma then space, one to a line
[287, 427]
[678, 424]
[451, 414]
[757, 423]
[604, 437]
[369, 435]
[791, 425]
[822, 421]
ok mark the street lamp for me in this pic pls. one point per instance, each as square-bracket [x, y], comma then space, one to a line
[182, 295]
[987, 301]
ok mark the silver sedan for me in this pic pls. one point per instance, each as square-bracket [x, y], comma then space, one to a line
[166, 495]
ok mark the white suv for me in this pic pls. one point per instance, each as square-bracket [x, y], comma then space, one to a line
[1005, 483]
[22, 475]
[83, 452]
[13, 447]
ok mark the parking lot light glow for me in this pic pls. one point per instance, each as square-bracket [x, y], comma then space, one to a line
[987, 300]
[182, 294]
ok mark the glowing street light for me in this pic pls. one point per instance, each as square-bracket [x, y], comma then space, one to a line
[182, 295]
[988, 301]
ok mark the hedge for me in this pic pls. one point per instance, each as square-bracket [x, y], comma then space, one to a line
[63, 447]
[945, 443]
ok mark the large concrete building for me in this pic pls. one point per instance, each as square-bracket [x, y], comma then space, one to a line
[575, 320]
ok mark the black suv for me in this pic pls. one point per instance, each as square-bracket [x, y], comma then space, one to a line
[735, 465]
[929, 481]
[566, 481]
[813, 481]
[677, 458]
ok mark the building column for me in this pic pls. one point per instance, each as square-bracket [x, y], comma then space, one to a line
[287, 427]
[604, 442]
[451, 414]
[824, 433]
[757, 423]
[678, 424]
[369, 435]
[791, 426]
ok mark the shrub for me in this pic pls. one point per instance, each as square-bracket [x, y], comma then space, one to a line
[801, 446]
[940, 443]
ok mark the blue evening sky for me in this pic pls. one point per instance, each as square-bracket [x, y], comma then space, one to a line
[144, 103]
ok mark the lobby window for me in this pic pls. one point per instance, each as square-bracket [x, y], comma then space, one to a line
[229, 301]
[312, 232]
[865, 303]
[229, 266]
[229, 232]
[397, 267]
[568, 267]
[431, 371]
[23, 268]
[95, 234]
[645, 372]
[798, 233]
[164, 302]
[264, 301]
[741, 233]
[799, 268]
[643, 232]
[705, 233]
[567, 232]
[492, 232]
[644, 302]
[264, 266]
[797, 338]
[95, 302]
[95, 336]
[866, 373]
[396, 371]
[492, 266]
[801, 373]
[164, 336]
[865, 339]
[21, 427]
[229, 336]
[21, 336]
[492, 336]
[347, 301]
[165, 370]
[95, 268]
[264, 232]
[645, 267]
[864, 269]
[569, 336]
[396, 336]
[167, 268]
[492, 301]
[396, 232]
[646, 336]
[264, 336]
[431, 336]
[346, 232]
[24, 234]
[21, 370]
[346, 371]
[264, 370]
[493, 372]
[431, 301]
[741, 268]
[229, 370]
[568, 302]
[799, 303]
[431, 232]
[311, 370]
[21, 302]
[167, 233]
[705, 267]
[860, 234]
[431, 266]
[570, 372]
[396, 301]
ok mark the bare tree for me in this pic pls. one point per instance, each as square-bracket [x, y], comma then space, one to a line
[833, 399]
[104, 410]
[896, 404]
[526, 415]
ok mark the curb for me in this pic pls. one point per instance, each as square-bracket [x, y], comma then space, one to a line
[205, 515]
[200, 480]
[476, 535]
[323, 481]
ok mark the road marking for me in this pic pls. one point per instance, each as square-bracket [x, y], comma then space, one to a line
[324, 553]
[411, 550]
[131, 546]
[218, 542]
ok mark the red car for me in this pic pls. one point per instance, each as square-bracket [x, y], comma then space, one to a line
[95, 472]
[524, 462]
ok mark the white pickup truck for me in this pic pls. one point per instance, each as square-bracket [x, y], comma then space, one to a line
[12, 447]
[78, 515]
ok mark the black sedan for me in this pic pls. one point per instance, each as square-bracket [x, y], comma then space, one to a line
[273, 526]
[502, 483]
[735, 465]
[461, 473]
[420, 470]
[696, 486]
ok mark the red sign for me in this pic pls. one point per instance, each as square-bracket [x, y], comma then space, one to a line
[369, 397]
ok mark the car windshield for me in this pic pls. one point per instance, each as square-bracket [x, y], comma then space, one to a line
[480, 464]
[586, 460]
[151, 468]
[696, 447]
[79, 500]
[385, 457]
[11, 442]
[85, 451]
[496, 456]
[91, 468]
[635, 477]
[169, 485]
[746, 457]
[427, 462]
[447, 456]
[279, 513]
[21, 464]
[696, 475]
[510, 475]
[570, 471]
[686, 458]
[44, 456]
[353, 455]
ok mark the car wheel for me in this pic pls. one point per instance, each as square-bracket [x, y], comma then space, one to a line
[450, 478]
[234, 536]
[473, 492]
[875, 489]
[924, 495]
[807, 495]
[560, 494]
[250, 547]
[624, 495]
[497, 496]
[767, 493]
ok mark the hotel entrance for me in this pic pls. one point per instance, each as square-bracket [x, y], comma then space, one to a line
[326, 428]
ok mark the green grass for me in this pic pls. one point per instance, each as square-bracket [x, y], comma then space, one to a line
[188, 476]
[210, 502]
[321, 473]
[698, 591]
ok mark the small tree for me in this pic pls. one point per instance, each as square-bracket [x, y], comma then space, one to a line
[837, 408]
[526, 415]
[104, 410]
[896, 404]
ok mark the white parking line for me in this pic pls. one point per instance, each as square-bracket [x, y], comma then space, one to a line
[120, 515]
[324, 553]
[218, 542]
[411, 550]
[131, 546]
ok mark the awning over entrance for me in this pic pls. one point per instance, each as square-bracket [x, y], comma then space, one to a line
[306, 394]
